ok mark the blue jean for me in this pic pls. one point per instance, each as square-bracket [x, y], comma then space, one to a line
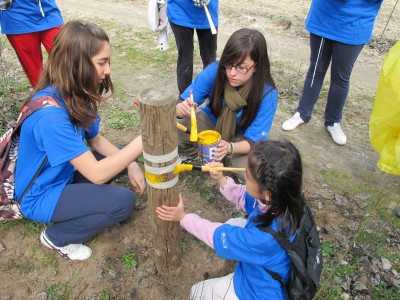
[343, 57]
[85, 209]
[184, 42]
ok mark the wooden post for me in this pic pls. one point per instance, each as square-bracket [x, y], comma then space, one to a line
[160, 152]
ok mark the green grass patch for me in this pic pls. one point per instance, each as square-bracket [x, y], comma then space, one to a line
[9, 225]
[384, 291]
[50, 258]
[106, 294]
[120, 118]
[58, 291]
[32, 228]
[342, 182]
[142, 51]
[129, 260]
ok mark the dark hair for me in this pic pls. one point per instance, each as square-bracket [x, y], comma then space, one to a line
[242, 43]
[70, 69]
[277, 169]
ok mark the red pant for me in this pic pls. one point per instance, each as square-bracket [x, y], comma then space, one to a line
[29, 50]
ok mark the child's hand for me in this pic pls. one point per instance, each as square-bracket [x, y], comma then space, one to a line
[172, 213]
[216, 175]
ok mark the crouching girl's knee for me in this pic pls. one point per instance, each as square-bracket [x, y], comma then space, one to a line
[125, 203]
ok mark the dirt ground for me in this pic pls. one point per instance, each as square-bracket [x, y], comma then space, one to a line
[104, 276]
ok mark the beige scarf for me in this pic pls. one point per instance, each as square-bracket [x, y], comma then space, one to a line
[234, 100]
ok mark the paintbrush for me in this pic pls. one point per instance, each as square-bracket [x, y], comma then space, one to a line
[186, 167]
[182, 128]
[193, 120]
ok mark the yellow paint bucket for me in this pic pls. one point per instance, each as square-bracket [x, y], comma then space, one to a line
[207, 142]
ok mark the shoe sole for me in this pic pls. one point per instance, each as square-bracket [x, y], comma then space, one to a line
[291, 128]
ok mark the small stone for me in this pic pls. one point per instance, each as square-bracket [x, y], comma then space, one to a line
[41, 296]
[2, 248]
[396, 282]
[359, 286]
[100, 274]
[340, 200]
[376, 280]
[364, 260]
[398, 212]
[320, 206]
[386, 265]
[345, 296]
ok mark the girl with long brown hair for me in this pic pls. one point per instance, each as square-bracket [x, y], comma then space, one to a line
[70, 192]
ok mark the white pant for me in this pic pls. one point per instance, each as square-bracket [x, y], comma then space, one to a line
[220, 288]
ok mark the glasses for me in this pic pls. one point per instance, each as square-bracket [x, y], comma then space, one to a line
[241, 70]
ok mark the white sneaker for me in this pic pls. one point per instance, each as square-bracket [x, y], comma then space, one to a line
[71, 251]
[337, 134]
[293, 122]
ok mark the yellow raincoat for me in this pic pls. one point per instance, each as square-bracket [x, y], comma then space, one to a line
[384, 125]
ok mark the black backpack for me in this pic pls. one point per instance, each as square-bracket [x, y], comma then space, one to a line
[306, 256]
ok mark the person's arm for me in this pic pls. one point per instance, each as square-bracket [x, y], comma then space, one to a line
[200, 228]
[114, 162]
[102, 145]
[201, 86]
[232, 192]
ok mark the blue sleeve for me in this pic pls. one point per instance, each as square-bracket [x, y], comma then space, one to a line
[93, 130]
[249, 245]
[57, 137]
[261, 126]
[202, 85]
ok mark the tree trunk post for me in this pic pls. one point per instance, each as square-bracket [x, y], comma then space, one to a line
[160, 152]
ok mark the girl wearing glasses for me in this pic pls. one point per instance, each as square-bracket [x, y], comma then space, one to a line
[242, 99]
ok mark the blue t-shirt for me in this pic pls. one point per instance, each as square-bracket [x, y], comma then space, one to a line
[26, 16]
[253, 249]
[350, 22]
[184, 13]
[49, 133]
[260, 127]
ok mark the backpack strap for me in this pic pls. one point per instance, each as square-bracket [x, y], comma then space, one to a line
[279, 237]
[278, 277]
[26, 111]
[34, 178]
[32, 106]
[285, 244]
